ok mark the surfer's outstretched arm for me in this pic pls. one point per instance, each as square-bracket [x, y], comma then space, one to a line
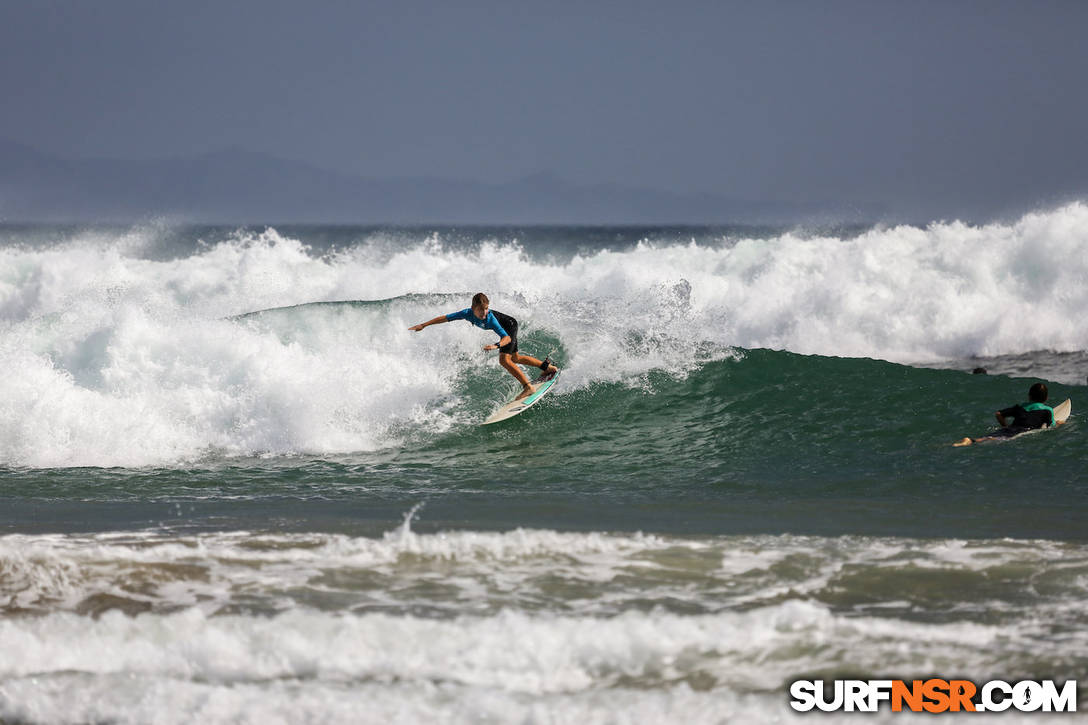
[436, 321]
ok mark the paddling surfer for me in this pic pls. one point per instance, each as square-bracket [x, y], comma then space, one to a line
[1021, 418]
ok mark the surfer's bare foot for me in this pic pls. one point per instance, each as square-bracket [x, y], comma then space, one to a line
[526, 391]
[964, 442]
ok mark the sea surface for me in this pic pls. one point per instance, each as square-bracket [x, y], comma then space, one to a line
[235, 488]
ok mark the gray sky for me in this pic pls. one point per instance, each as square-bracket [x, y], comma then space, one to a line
[907, 103]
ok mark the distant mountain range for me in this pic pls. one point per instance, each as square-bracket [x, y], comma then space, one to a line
[238, 186]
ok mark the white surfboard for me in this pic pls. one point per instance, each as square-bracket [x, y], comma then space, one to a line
[544, 385]
[1061, 412]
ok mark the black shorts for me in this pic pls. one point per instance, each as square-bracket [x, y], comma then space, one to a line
[511, 347]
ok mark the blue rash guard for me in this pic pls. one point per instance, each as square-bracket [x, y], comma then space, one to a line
[488, 323]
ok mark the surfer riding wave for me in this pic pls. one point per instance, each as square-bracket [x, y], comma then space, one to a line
[506, 327]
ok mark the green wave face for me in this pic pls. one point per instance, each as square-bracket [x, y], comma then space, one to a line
[770, 415]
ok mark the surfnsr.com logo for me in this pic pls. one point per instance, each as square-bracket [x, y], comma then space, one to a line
[933, 695]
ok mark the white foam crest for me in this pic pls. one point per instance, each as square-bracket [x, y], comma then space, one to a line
[154, 546]
[761, 552]
[56, 571]
[135, 701]
[117, 359]
[80, 700]
[761, 568]
[215, 570]
[511, 650]
[305, 666]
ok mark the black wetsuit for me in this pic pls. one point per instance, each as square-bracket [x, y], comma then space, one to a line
[1023, 418]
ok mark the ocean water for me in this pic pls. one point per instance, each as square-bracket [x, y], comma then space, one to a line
[235, 488]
